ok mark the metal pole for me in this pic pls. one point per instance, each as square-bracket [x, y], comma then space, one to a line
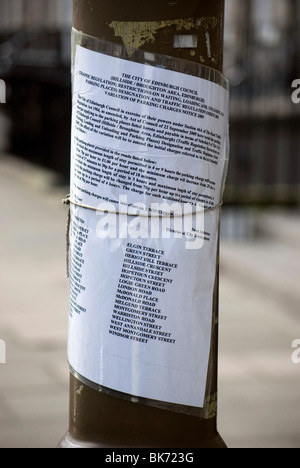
[98, 419]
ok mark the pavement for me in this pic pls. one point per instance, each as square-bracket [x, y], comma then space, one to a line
[259, 386]
[33, 307]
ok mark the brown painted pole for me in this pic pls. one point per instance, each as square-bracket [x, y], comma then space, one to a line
[97, 419]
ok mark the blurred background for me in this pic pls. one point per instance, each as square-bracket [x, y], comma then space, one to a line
[259, 385]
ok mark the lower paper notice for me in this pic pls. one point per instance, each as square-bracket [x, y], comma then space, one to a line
[147, 143]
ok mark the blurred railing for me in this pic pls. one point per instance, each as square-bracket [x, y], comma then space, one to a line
[35, 54]
[262, 58]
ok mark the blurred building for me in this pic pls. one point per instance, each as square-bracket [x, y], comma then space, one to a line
[262, 47]
[262, 59]
[35, 63]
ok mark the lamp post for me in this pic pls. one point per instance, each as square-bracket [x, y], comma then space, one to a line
[190, 31]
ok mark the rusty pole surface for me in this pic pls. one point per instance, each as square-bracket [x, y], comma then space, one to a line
[96, 419]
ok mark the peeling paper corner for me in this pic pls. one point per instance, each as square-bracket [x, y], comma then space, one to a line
[137, 33]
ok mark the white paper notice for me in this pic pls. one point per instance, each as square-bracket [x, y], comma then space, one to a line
[146, 142]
